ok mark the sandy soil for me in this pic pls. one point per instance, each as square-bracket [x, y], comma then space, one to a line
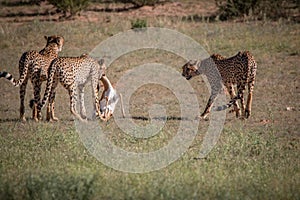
[14, 12]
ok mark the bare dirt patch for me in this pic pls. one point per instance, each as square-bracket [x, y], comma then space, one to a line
[15, 11]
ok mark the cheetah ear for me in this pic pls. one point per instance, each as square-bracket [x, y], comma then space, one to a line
[193, 62]
[46, 37]
[190, 63]
[60, 39]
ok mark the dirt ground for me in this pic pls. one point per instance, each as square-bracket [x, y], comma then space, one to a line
[257, 158]
[14, 11]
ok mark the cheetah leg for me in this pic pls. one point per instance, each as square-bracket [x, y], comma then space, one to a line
[50, 112]
[235, 104]
[249, 99]
[22, 99]
[241, 97]
[50, 108]
[73, 96]
[36, 115]
[81, 102]
[209, 105]
[95, 95]
[243, 104]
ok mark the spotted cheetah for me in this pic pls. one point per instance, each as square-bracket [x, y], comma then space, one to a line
[229, 88]
[237, 70]
[73, 73]
[34, 65]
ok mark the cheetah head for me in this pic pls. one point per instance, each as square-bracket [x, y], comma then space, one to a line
[59, 40]
[216, 56]
[190, 69]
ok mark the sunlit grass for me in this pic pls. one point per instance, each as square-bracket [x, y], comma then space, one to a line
[253, 159]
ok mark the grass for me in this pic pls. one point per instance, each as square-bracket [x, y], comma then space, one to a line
[253, 159]
[56, 165]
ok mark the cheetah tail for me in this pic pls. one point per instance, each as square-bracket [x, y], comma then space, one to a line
[9, 77]
[231, 102]
[51, 74]
[31, 103]
[23, 75]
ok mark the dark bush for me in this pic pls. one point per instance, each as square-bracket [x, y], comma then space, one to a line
[70, 8]
[235, 8]
[144, 2]
[275, 9]
[137, 3]
[259, 9]
[139, 23]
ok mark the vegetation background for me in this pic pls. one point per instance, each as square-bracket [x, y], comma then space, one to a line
[256, 158]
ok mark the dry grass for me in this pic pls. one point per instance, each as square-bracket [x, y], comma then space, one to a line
[256, 158]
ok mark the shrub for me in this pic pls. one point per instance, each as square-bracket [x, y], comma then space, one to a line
[275, 9]
[235, 8]
[272, 9]
[139, 23]
[137, 3]
[70, 8]
[144, 2]
[59, 186]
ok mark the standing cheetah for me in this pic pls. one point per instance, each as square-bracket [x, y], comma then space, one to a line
[239, 69]
[73, 73]
[34, 65]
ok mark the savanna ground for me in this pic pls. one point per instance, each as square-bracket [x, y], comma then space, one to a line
[256, 158]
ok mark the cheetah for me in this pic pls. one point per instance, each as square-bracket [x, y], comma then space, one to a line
[109, 100]
[216, 56]
[229, 88]
[73, 73]
[237, 70]
[34, 65]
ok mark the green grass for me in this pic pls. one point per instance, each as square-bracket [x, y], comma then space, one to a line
[253, 159]
[54, 164]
